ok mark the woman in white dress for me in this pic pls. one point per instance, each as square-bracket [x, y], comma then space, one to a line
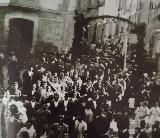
[14, 124]
[141, 114]
[5, 113]
[154, 114]
[22, 110]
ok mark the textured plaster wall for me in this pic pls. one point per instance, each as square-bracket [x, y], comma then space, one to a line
[4, 2]
[53, 21]
[56, 29]
[110, 8]
[43, 4]
[51, 4]
[53, 28]
[3, 12]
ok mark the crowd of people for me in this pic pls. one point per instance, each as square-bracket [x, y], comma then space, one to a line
[53, 96]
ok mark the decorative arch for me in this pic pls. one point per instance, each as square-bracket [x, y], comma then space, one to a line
[32, 18]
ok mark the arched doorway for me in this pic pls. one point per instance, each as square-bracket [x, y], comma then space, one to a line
[20, 36]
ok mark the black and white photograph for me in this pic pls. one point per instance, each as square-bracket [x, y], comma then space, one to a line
[79, 68]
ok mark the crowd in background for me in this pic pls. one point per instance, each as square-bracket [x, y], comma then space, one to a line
[53, 96]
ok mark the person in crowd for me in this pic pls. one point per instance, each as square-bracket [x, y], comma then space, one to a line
[86, 77]
[88, 113]
[60, 129]
[137, 132]
[12, 101]
[15, 90]
[113, 129]
[37, 90]
[22, 111]
[43, 117]
[144, 131]
[94, 86]
[13, 68]
[13, 124]
[27, 82]
[123, 124]
[46, 132]
[99, 127]
[32, 107]
[131, 102]
[44, 93]
[55, 108]
[154, 114]
[156, 130]
[5, 112]
[27, 128]
[141, 114]
[54, 83]
[80, 127]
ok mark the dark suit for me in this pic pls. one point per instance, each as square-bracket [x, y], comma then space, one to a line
[55, 112]
[31, 111]
[43, 118]
[98, 128]
[156, 133]
[27, 84]
[59, 131]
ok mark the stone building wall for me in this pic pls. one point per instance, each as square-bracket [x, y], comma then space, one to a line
[53, 22]
[3, 12]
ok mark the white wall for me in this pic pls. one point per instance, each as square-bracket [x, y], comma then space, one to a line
[145, 11]
[4, 2]
[50, 4]
[73, 5]
[111, 7]
[44, 4]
